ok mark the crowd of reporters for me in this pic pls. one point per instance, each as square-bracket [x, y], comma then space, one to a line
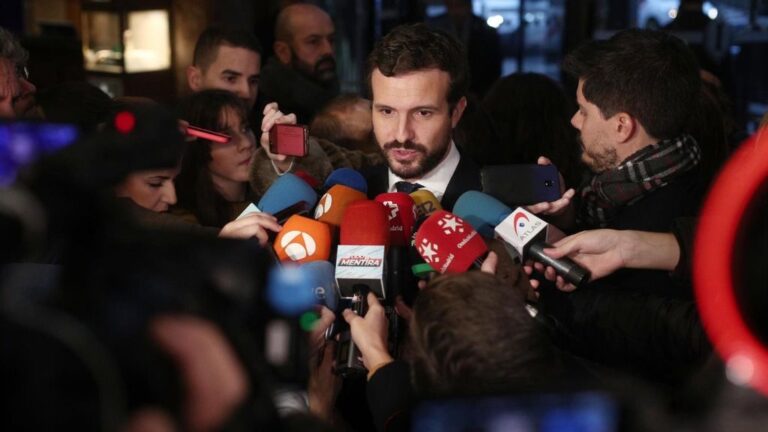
[156, 278]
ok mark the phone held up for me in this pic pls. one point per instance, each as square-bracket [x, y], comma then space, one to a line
[521, 184]
[289, 140]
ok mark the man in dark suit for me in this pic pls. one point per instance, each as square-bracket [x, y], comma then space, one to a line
[418, 80]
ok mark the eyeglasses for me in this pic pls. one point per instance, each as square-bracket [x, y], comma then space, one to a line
[22, 72]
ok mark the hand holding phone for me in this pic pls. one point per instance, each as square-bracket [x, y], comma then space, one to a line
[289, 140]
[521, 184]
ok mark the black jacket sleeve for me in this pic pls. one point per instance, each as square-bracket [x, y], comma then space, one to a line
[390, 396]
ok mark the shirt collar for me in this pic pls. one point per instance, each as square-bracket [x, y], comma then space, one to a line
[435, 181]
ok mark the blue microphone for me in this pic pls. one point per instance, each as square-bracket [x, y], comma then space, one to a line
[322, 279]
[482, 211]
[347, 177]
[295, 289]
[285, 192]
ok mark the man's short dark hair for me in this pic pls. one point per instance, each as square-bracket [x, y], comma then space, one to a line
[471, 334]
[651, 75]
[212, 38]
[11, 49]
[415, 47]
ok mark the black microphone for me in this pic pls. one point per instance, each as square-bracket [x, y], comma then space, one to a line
[526, 233]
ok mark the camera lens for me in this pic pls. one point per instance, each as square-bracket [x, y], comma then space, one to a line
[548, 183]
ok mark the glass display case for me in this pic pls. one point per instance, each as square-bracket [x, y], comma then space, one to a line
[127, 45]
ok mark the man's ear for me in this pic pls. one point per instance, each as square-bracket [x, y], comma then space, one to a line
[283, 52]
[194, 78]
[625, 127]
[458, 111]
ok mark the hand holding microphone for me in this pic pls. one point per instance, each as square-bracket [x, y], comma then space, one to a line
[370, 333]
[519, 229]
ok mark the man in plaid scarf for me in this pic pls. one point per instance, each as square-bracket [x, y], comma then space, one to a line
[635, 93]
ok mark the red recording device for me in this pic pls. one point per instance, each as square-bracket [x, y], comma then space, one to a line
[289, 140]
[205, 134]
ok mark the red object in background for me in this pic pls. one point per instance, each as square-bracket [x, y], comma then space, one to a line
[216, 137]
[125, 122]
[736, 186]
[311, 181]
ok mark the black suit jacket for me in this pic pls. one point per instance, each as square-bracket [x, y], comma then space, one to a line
[465, 178]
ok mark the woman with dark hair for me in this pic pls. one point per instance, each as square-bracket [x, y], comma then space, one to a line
[531, 116]
[212, 186]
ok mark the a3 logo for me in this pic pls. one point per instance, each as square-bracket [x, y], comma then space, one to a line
[325, 204]
[298, 245]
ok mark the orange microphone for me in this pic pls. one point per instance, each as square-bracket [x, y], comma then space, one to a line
[303, 240]
[330, 208]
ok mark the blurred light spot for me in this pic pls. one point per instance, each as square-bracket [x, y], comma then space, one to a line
[495, 21]
[308, 320]
[125, 122]
[672, 13]
[712, 13]
[739, 369]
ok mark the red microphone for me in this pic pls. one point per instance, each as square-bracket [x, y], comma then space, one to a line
[362, 247]
[303, 240]
[330, 208]
[402, 217]
[448, 243]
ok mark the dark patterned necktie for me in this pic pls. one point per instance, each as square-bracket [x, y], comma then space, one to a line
[407, 187]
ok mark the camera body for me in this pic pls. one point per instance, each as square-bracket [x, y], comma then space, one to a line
[289, 140]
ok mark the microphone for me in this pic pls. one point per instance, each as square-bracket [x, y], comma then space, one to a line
[401, 216]
[287, 191]
[303, 240]
[295, 289]
[330, 208]
[482, 211]
[448, 243]
[360, 269]
[308, 178]
[363, 241]
[425, 203]
[347, 177]
[526, 233]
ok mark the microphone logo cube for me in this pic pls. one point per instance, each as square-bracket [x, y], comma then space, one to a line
[429, 252]
[451, 225]
[298, 245]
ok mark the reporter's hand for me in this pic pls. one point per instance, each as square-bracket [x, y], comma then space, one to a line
[324, 385]
[559, 207]
[601, 252]
[251, 225]
[490, 263]
[273, 116]
[369, 333]
[215, 381]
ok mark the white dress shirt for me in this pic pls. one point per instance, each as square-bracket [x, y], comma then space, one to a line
[435, 181]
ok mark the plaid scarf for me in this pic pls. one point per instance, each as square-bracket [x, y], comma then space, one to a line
[647, 170]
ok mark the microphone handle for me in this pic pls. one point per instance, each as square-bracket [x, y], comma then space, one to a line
[565, 267]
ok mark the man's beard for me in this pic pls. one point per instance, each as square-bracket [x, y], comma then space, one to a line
[323, 72]
[604, 159]
[418, 168]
